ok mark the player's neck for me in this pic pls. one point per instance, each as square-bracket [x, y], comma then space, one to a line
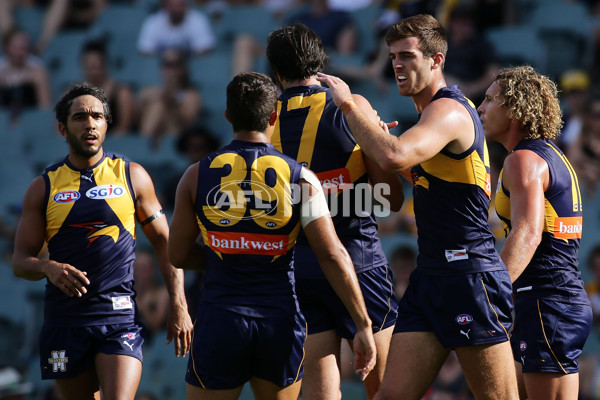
[424, 97]
[302, 82]
[80, 162]
[252, 136]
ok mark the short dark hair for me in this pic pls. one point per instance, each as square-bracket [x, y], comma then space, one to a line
[251, 100]
[80, 89]
[428, 30]
[296, 52]
[94, 46]
[196, 130]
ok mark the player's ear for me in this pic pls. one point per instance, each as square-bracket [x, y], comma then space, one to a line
[273, 118]
[438, 60]
[227, 116]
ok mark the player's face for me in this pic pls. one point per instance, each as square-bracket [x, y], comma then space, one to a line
[86, 126]
[412, 69]
[493, 115]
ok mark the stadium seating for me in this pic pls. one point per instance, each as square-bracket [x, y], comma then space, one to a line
[30, 19]
[565, 29]
[515, 45]
[239, 19]
[62, 59]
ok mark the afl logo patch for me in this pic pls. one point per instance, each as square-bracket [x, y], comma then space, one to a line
[523, 346]
[224, 221]
[464, 319]
[105, 192]
[66, 196]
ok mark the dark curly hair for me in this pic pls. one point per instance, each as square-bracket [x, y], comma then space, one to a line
[295, 52]
[80, 89]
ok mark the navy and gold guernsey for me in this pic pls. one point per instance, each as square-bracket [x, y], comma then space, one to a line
[90, 224]
[317, 136]
[552, 273]
[247, 208]
[451, 201]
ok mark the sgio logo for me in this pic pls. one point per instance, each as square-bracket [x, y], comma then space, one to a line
[102, 192]
[464, 319]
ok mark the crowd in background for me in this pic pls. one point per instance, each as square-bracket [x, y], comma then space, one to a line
[164, 68]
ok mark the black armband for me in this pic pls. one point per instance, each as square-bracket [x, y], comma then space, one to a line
[152, 217]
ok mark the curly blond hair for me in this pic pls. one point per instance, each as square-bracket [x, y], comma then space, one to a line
[532, 99]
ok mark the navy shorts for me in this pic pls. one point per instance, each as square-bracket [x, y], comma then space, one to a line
[66, 352]
[228, 349]
[549, 335]
[462, 310]
[324, 310]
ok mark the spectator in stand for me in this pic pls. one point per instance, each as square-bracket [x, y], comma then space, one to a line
[68, 14]
[170, 107]
[584, 154]
[24, 80]
[471, 61]
[176, 26]
[592, 287]
[193, 144]
[152, 297]
[335, 28]
[589, 362]
[94, 60]
[575, 86]
[402, 262]
[7, 20]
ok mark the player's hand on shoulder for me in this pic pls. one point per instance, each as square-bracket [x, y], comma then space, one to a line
[339, 90]
[67, 278]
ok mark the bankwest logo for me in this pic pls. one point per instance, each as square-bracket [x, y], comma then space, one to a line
[335, 180]
[568, 227]
[58, 360]
[247, 243]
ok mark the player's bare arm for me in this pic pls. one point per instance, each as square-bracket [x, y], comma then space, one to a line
[339, 270]
[525, 175]
[156, 229]
[29, 241]
[184, 250]
[395, 195]
[444, 123]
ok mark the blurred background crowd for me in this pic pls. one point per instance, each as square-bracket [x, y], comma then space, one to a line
[164, 66]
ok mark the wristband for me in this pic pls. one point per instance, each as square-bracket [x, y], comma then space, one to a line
[347, 106]
[152, 217]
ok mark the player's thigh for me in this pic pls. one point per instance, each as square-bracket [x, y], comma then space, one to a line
[265, 390]
[382, 343]
[490, 370]
[413, 363]
[551, 386]
[197, 393]
[119, 375]
[83, 386]
[520, 381]
[321, 366]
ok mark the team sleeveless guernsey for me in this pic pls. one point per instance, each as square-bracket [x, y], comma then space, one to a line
[451, 200]
[248, 212]
[553, 271]
[312, 130]
[90, 224]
